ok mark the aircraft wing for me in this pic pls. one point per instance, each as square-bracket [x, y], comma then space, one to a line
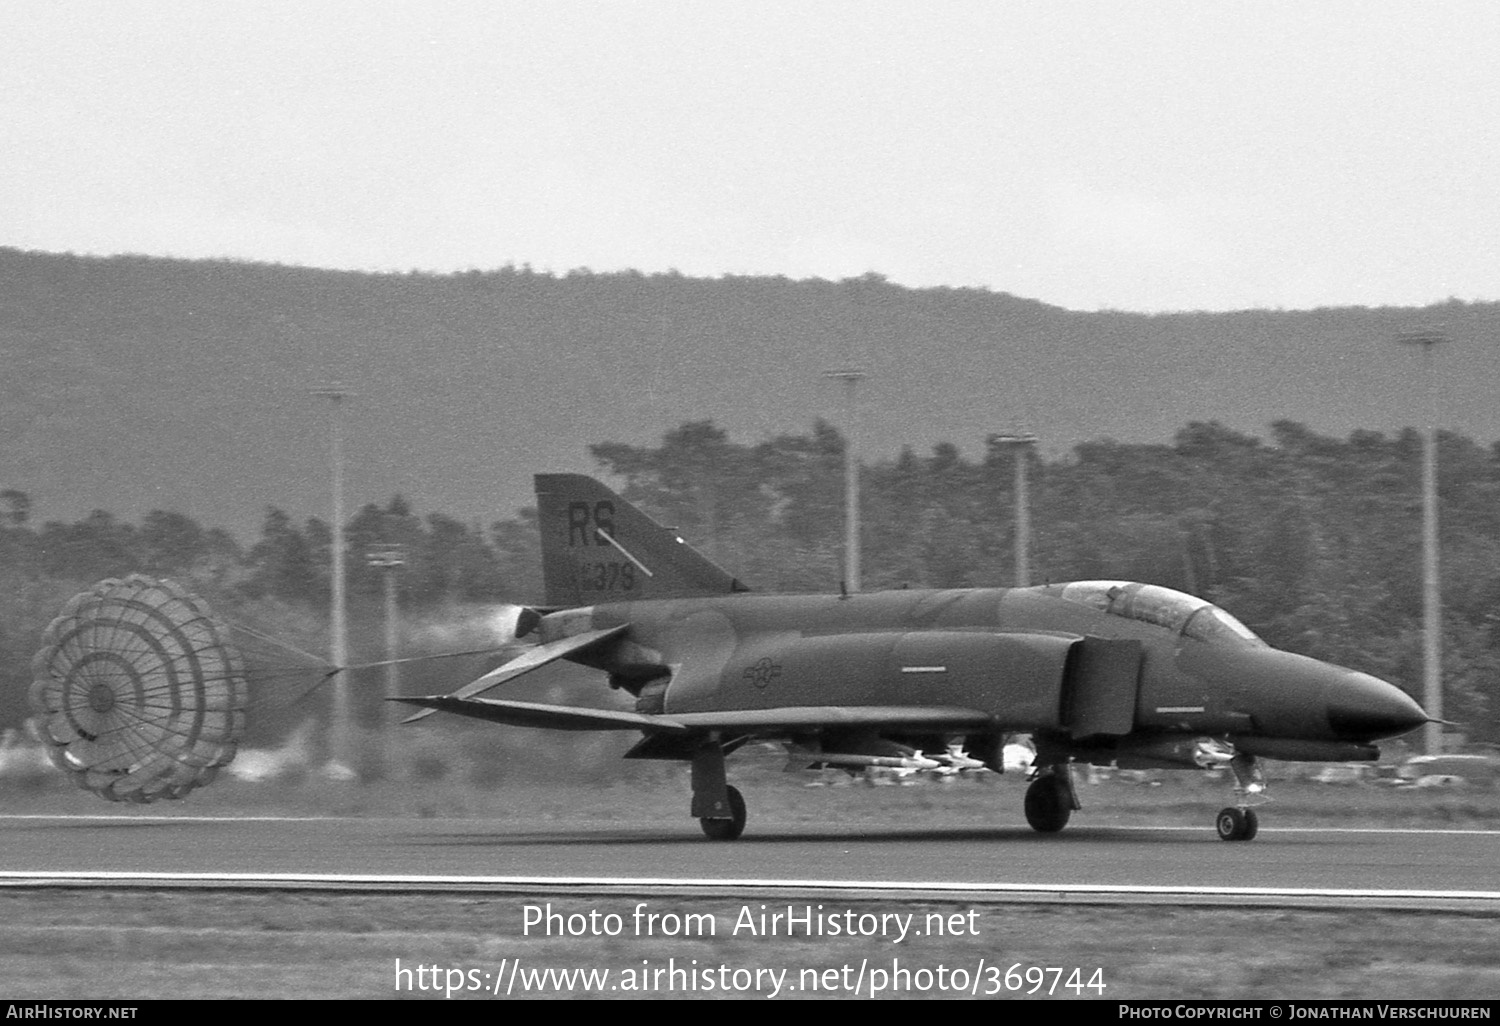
[535, 714]
[531, 659]
[561, 717]
[806, 716]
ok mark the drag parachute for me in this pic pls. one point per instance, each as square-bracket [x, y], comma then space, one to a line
[138, 690]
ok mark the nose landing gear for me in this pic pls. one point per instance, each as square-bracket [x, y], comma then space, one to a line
[1236, 824]
[1239, 821]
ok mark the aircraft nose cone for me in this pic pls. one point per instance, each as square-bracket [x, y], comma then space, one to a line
[1365, 708]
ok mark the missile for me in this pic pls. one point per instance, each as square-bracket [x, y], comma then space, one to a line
[958, 759]
[804, 759]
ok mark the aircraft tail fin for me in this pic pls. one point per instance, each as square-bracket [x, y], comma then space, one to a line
[597, 547]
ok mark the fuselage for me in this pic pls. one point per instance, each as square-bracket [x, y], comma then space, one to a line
[1084, 659]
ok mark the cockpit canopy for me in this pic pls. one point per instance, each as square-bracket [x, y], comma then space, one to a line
[1163, 607]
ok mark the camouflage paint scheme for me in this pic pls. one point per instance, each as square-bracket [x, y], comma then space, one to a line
[1108, 672]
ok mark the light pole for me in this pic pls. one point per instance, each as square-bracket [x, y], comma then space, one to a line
[851, 377]
[389, 558]
[1020, 444]
[1432, 652]
[338, 732]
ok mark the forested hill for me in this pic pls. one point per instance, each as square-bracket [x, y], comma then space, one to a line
[134, 383]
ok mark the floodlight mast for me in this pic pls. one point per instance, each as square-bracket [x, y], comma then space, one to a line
[339, 727]
[1428, 339]
[1020, 443]
[851, 377]
[389, 558]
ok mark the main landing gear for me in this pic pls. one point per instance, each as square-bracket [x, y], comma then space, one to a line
[726, 829]
[720, 807]
[1051, 799]
[1239, 822]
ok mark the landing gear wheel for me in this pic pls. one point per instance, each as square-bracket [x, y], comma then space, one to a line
[1237, 824]
[727, 829]
[1047, 805]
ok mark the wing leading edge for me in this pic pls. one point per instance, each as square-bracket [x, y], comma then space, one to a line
[801, 717]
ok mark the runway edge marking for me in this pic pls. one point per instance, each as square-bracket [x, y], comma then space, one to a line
[731, 887]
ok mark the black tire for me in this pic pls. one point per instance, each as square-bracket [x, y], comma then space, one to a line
[1235, 824]
[1047, 806]
[727, 829]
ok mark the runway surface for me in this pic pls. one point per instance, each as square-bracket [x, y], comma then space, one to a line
[1175, 860]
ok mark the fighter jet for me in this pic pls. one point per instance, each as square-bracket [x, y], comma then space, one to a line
[1109, 673]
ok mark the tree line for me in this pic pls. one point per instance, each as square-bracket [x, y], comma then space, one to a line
[1312, 540]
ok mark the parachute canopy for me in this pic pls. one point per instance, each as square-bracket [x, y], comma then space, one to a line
[138, 690]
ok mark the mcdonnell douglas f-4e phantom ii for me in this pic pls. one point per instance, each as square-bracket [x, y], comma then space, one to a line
[1097, 672]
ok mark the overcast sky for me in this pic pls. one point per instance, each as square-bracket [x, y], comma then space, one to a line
[1123, 154]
